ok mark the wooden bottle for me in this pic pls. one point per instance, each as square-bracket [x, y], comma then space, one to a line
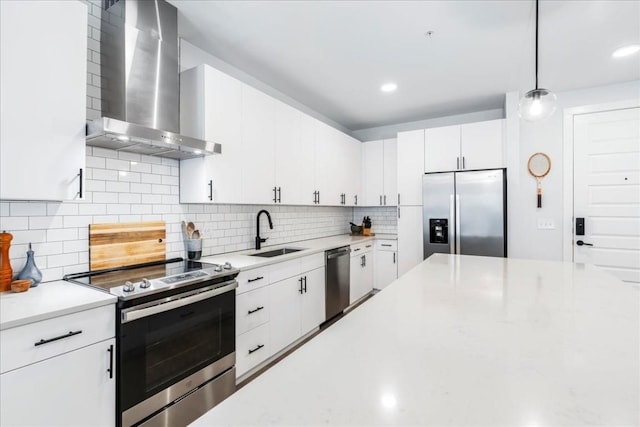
[6, 273]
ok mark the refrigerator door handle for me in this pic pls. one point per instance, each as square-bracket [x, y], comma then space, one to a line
[458, 224]
[452, 247]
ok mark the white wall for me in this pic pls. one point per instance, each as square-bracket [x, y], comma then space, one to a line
[525, 240]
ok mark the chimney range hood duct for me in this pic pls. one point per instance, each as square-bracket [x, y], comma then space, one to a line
[140, 83]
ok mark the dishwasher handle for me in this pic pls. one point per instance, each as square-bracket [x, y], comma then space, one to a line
[338, 252]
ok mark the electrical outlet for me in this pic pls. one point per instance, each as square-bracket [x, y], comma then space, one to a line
[546, 224]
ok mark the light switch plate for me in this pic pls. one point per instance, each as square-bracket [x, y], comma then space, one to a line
[546, 224]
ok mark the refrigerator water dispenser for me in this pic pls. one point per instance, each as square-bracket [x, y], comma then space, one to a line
[439, 230]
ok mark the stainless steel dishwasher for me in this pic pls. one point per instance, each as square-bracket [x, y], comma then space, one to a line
[337, 280]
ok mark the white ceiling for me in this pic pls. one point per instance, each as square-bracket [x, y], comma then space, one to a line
[333, 55]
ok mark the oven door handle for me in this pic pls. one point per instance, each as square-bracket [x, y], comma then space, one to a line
[176, 302]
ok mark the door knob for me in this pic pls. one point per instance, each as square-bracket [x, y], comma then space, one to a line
[581, 243]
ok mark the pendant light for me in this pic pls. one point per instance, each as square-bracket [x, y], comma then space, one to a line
[537, 104]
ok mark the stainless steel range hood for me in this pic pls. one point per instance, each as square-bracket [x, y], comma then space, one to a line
[140, 83]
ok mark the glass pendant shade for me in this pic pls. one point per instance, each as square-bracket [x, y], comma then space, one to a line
[537, 104]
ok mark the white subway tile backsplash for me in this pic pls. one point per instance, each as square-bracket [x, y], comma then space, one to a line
[160, 170]
[120, 165]
[150, 178]
[105, 174]
[133, 177]
[140, 167]
[14, 223]
[45, 222]
[129, 198]
[93, 185]
[104, 152]
[151, 198]
[27, 208]
[62, 260]
[116, 209]
[61, 234]
[141, 209]
[161, 189]
[107, 198]
[77, 221]
[117, 187]
[75, 246]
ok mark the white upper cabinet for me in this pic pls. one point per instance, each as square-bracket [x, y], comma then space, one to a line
[410, 167]
[482, 144]
[211, 109]
[294, 156]
[43, 73]
[379, 176]
[258, 145]
[373, 172]
[469, 146]
[353, 168]
[390, 172]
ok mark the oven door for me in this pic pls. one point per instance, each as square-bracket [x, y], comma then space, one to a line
[171, 346]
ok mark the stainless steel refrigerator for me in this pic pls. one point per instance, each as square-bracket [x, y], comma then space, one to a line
[465, 212]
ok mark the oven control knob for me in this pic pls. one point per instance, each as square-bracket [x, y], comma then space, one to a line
[227, 265]
[217, 268]
[128, 286]
[145, 283]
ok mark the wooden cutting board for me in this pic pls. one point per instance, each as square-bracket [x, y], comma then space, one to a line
[117, 245]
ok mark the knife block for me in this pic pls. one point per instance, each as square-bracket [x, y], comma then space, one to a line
[6, 273]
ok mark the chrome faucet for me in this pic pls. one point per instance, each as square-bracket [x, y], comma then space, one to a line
[259, 241]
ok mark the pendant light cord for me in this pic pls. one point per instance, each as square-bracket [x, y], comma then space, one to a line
[536, 44]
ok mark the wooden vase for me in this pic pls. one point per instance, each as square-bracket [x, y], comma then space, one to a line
[6, 273]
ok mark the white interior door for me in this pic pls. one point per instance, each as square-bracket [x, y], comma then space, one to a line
[607, 191]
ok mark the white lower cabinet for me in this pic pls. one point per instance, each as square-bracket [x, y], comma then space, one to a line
[386, 263]
[361, 271]
[275, 306]
[298, 307]
[60, 371]
[410, 250]
[252, 348]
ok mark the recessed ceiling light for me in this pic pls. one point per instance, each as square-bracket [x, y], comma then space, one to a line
[388, 87]
[626, 51]
[123, 138]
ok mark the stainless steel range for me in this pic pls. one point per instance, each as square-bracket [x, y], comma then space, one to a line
[175, 338]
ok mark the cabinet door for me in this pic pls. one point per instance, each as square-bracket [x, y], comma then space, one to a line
[366, 281]
[410, 250]
[258, 146]
[373, 177]
[284, 324]
[386, 268]
[411, 167]
[353, 168]
[42, 99]
[73, 389]
[482, 145]
[442, 149]
[328, 164]
[390, 172]
[295, 138]
[355, 278]
[313, 301]
[211, 109]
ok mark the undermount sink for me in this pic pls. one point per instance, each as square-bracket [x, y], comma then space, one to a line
[277, 252]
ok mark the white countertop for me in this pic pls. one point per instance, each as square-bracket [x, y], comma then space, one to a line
[47, 300]
[244, 261]
[463, 340]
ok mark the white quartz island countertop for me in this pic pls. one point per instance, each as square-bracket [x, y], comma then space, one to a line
[462, 340]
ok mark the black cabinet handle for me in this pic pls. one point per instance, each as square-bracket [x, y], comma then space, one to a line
[381, 200]
[256, 349]
[463, 162]
[394, 257]
[365, 260]
[368, 246]
[210, 189]
[385, 200]
[362, 261]
[457, 162]
[70, 334]
[356, 249]
[80, 174]
[110, 370]
[355, 200]
[257, 278]
[318, 196]
[279, 195]
[581, 243]
[275, 198]
[386, 244]
[257, 309]
[305, 284]
[398, 198]
[300, 290]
